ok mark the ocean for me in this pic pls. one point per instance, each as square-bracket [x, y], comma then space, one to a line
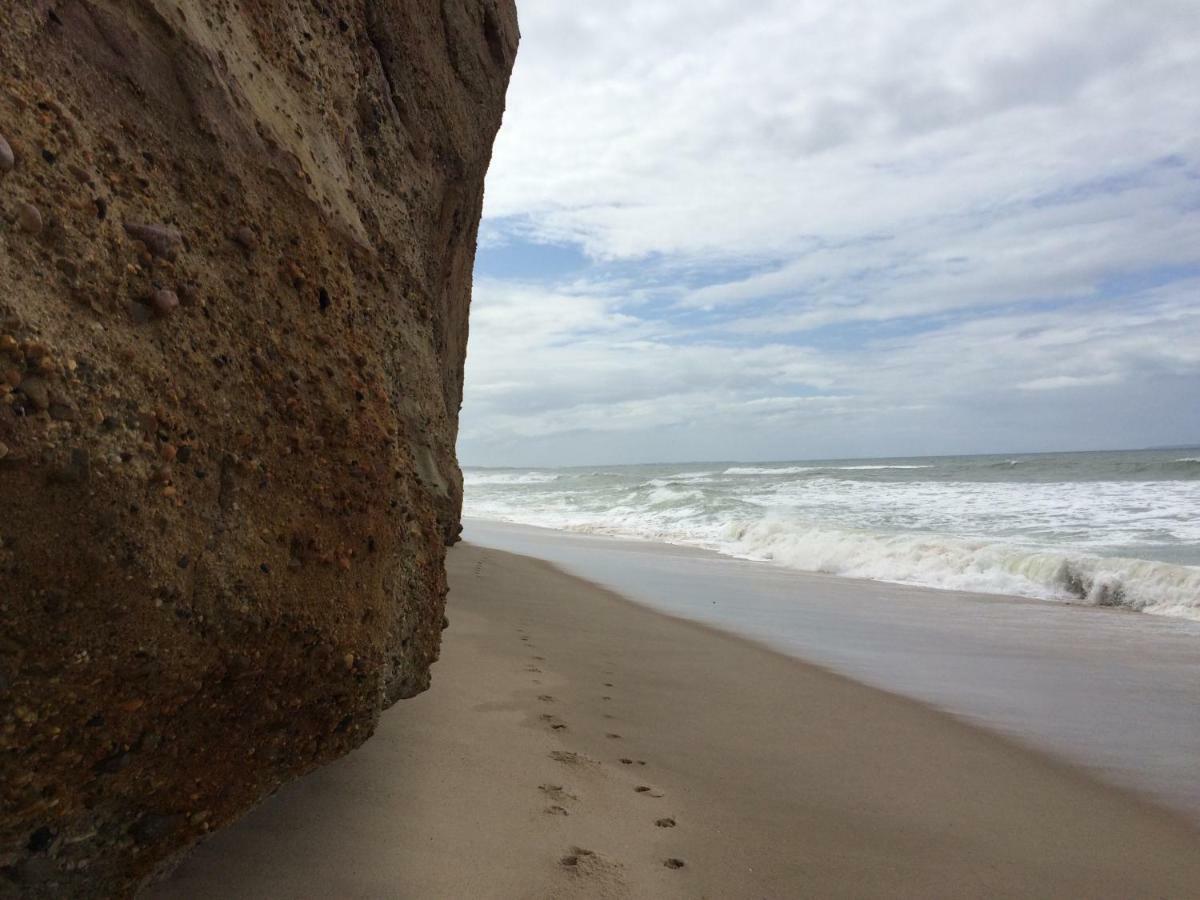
[1118, 529]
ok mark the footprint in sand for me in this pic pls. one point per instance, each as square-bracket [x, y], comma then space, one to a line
[608, 684]
[668, 822]
[577, 854]
[627, 762]
[674, 863]
[613, 737]
[557, 792]
[554, 721]
[532, 669]
[604, 874]
[555, 810]
[539, 659]
[546, 698]
[648, 791]
[571, 758]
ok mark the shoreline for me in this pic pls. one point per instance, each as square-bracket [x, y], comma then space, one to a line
[778, 777]
[686, 546]
[1104, 688]
[702, 552]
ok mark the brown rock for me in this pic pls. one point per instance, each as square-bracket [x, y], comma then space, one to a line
[62, 412]
[141, 313]
[247, 238]
[313, 594]
[164, 302]
[189, 294]
[160, 240]
[36, 391]
[29, 218]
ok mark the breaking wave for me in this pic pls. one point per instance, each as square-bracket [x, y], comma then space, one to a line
[1119, 530]
[481, 478]
[976, 566]
[800, 470]
[762, 470]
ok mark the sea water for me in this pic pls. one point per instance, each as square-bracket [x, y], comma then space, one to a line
[1115, 529]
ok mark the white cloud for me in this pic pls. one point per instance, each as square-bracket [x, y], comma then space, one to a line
[735, 129]
[843, 226]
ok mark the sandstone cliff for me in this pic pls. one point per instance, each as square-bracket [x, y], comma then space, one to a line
[236, 242]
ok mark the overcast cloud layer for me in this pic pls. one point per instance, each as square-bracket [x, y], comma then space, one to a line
[721, 230]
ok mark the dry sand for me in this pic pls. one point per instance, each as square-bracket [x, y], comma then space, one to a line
[574, 744]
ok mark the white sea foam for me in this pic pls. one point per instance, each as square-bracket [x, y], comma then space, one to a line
[800, 470]
[872, 468]
[978, 566]
[763, 470]
[1063, 529]
[480, 478]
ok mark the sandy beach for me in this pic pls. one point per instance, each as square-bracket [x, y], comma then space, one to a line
[575, 744]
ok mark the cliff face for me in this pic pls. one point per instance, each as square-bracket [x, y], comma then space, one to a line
[236, 242]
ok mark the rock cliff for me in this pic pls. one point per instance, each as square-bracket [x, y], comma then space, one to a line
[236, 243]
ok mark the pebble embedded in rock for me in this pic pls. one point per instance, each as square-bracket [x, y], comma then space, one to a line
[155, 826]
[29, 218]
[7, 159]
[164, 302]
[159, 239]
[188, 293]
[140, 312]
[247, 238]
[36, 391]
[41, 840]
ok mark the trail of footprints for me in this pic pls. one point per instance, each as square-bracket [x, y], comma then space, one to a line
[579, 860]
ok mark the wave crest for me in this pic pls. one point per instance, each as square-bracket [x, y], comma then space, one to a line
[976, 566]
[483, 478]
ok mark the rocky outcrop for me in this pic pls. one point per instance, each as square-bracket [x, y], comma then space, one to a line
[236, 242]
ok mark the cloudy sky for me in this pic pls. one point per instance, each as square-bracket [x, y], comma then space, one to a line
[816, 228]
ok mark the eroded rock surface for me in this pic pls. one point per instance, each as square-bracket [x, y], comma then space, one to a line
[236, 242]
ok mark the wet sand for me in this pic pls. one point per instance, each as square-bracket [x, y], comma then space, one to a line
[1115, 691]
[575, 744]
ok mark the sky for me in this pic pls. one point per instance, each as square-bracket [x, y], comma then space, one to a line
[721, 230]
